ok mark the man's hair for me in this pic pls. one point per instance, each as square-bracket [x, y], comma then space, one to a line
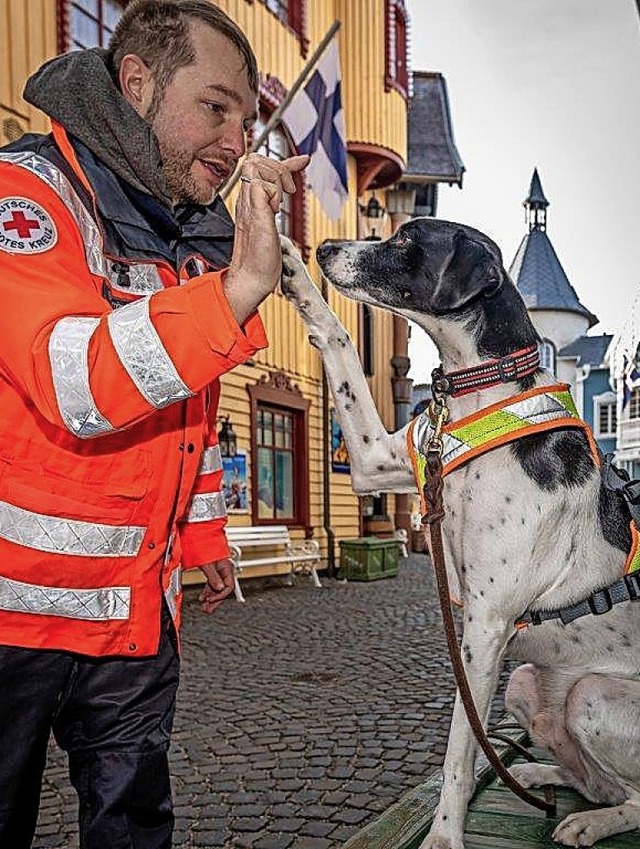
[158, 32]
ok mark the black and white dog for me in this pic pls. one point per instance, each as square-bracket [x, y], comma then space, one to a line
[528, 526]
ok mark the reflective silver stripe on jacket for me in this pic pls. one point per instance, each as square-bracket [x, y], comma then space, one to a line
[143, 355]
[68, 536]
[206, 506]
[143, 279]
[54, 178]
[102, 603]
[173, 591]
[211, 460]
[68, 355]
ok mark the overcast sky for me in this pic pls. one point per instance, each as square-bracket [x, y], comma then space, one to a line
[553, 84]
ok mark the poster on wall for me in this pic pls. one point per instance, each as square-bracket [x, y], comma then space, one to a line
[339, 455]
[234, 483]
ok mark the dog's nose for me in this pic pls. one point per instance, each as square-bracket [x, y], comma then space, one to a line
[325, 250]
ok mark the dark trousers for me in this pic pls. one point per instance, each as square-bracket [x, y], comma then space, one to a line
[113, 717]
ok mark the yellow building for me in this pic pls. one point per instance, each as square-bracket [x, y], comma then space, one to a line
[284, 470]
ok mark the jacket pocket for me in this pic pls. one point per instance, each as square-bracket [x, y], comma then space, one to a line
[47, 493]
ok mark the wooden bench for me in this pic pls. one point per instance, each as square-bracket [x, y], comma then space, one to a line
[302, 555]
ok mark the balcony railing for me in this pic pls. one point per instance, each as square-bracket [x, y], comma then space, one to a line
[629, 434]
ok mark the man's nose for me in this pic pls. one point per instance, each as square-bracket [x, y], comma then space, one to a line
[234, 140]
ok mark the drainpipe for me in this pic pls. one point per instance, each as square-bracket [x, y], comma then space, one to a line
[326, 469]
[400, 207]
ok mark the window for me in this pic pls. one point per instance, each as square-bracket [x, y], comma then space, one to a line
[634, 404]
[274, 444]
[290, 219]
[605, 415]
[279, 474]
[397, 75]
[547, 353]
[291, 13]
[87, 23]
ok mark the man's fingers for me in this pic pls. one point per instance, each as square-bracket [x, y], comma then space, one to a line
[271, 171]
[296, 163]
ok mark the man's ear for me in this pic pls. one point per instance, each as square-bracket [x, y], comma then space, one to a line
[136, 83]
[471, 270]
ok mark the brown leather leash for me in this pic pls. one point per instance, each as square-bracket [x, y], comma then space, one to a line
[432, 521]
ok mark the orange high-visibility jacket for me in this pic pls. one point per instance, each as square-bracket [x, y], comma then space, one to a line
[110, 473]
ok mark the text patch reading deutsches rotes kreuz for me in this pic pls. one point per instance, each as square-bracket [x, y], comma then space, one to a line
[25, 227]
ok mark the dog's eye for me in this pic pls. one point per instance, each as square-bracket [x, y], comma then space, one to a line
[401, 240]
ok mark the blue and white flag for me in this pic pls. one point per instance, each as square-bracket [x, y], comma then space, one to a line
[316, 122]
[630, 379]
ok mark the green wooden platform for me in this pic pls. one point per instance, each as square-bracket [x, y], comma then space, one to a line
[497, 819]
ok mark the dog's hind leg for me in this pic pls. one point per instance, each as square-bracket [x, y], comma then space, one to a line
[378, 459]
[483, 646]
[603, 716]
[522, 701]
[545, 722]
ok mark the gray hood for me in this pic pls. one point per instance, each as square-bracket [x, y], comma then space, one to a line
[76, 90]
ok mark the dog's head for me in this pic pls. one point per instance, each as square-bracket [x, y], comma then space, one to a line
[428, 266]
[430, 271]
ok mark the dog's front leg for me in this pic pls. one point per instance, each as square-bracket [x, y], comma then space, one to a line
[378, 459]
[483, 646]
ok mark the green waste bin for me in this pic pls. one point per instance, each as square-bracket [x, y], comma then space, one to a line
[368, 558]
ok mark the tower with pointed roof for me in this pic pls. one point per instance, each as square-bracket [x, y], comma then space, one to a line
[562, 321]
[555, 308]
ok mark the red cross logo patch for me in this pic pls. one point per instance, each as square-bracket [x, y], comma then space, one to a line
[25, 227]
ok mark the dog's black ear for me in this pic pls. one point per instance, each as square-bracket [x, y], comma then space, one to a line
[472, 270]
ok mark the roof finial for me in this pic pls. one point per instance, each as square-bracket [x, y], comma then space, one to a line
[536, 204]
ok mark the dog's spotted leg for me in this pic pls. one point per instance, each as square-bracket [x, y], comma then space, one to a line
[379, 460]
[584, 828]
[482, 650]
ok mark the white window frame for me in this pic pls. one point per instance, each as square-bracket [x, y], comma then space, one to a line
[547, 350]
[606, 399]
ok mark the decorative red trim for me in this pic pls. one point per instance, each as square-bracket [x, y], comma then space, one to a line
[272, 92]
[394, 10]
[63, 22]
[296, 22]
[371, 160]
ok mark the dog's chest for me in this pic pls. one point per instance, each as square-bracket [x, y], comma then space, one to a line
[491, 497]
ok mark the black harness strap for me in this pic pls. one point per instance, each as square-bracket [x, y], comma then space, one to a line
[626, 588]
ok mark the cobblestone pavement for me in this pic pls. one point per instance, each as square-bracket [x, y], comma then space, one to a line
[302, 714]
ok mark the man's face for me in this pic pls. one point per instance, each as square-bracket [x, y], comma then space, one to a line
[202, 120]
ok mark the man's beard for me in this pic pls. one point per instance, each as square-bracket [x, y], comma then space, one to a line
[181, 184]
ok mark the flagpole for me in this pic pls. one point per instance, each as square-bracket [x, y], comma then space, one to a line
[277, 115]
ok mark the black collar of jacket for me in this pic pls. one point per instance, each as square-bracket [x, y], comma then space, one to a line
[137, 225]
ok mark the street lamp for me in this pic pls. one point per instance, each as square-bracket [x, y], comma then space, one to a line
[373, 211]
[227, 438]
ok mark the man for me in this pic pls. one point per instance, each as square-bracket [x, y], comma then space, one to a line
[116, 324]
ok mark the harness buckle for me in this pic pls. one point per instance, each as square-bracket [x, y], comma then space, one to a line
[632, 582]
[507, 369]
[600, 602]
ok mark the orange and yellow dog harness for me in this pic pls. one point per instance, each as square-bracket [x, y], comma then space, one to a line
[539, 409]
